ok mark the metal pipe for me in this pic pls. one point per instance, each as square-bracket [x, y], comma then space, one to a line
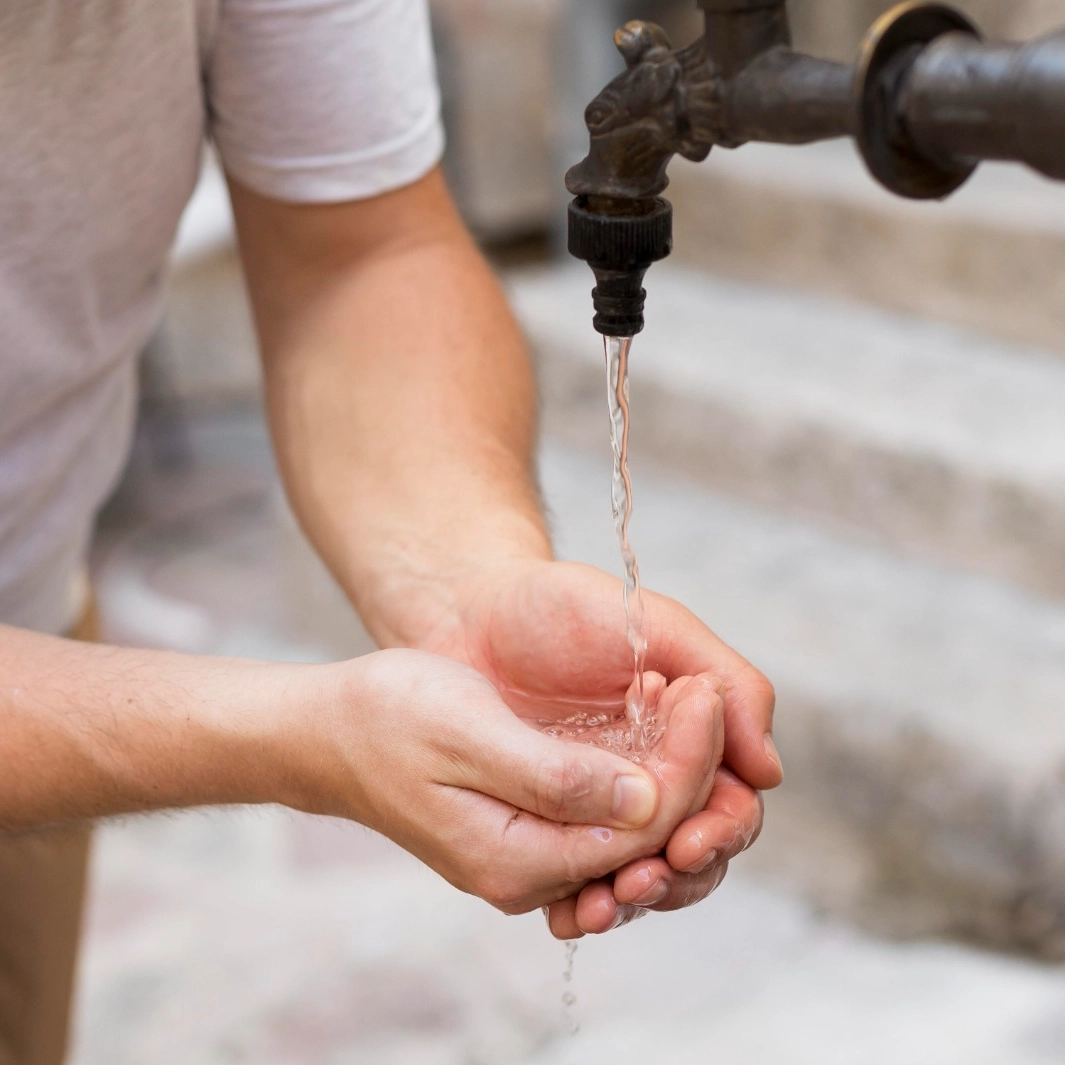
[738, 33]
[787, 98]
[964, 100]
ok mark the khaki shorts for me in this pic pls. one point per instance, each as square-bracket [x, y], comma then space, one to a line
[42, 889]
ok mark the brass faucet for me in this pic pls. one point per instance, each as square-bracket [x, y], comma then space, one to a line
[926, 101]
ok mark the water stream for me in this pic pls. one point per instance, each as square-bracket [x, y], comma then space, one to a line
[638, 736]
[641, 724]
[632, 732]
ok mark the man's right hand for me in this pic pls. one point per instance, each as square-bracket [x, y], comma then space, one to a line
[419, 747]
[424, 750]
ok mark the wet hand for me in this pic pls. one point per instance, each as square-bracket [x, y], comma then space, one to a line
[692, 867]
[423, 750]
[552, 634]
[550, 638]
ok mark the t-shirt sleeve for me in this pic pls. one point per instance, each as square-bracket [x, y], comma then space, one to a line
[320, 101]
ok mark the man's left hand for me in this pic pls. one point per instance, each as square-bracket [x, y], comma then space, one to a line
[551, 637]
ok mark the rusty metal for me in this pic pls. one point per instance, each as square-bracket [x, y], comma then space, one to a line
[926, 101]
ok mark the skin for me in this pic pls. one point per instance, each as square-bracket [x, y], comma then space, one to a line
[414, 745]
[550, 637]
[390, 297]
[403, 407]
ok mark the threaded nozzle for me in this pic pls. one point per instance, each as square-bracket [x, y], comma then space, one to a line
[620, 247]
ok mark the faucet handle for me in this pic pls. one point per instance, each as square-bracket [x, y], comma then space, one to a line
[638, 41]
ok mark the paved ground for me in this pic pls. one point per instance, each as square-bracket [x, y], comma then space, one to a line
[261, 936]
[280, 940]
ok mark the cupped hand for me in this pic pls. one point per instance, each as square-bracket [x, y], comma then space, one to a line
[550, 638]
[697, 863]
[424, 750]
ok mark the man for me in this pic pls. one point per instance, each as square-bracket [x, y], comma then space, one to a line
[403, 412]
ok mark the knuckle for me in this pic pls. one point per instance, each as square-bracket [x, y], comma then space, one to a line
[715, 687]
[717, 704]
[757, 821]
[755, 690]
[578, 868]
[562, 782]
[748, 817]
[504, 892]
[763, 691]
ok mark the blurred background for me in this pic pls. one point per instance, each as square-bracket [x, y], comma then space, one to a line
[849, 459]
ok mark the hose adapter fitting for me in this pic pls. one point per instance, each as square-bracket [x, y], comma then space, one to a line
[620, 240]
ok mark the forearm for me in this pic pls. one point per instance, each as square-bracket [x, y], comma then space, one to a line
[91, 731]
[404, 412]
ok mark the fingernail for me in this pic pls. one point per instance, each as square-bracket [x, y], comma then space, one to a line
[654, 896]
[635, 800]
[704, 864]
[771, 752]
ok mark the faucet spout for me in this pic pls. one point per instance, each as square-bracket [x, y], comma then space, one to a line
[926, 101]
[740, 81]
[620, 239]
[661, 106]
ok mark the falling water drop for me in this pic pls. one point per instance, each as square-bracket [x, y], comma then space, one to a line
[569, 999]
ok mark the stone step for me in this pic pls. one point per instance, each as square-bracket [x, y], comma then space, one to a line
[920, 710]
[992, 257]
[917, 435]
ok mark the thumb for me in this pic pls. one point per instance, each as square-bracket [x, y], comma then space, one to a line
[565, 781]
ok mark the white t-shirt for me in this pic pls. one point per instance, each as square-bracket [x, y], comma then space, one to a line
[104, 109]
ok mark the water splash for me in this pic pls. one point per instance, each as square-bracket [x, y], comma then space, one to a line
[617, 367]
[611, 730]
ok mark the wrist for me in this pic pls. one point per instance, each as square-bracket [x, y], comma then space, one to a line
[416, 588]
[280, 748]
[324, 737]
[234, 737]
